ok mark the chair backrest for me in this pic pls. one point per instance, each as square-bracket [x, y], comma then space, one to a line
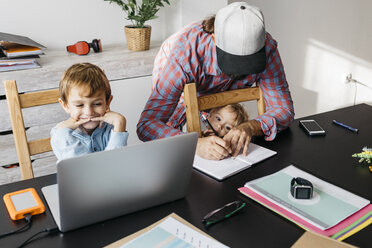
[195, 104]
[17, 102]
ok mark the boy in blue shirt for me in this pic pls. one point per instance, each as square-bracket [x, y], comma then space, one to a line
[85, 94]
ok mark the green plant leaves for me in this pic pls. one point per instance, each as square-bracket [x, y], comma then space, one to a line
[140, 13]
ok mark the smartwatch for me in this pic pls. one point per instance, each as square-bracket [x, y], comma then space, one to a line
[301, 188]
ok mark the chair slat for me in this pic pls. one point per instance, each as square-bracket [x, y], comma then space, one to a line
[19, 133]
[228, 97]
[193, 117]
[194, 104]
[16, 102]
[33, 99]
[39, 146]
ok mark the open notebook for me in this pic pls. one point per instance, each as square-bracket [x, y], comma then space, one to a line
[227, 167]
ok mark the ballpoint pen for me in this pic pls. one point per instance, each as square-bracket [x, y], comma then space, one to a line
[355, 130]
[214, 131]
[209, 124]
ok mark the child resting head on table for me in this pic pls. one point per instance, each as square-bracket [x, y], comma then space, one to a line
[85, 94]
[223, 119]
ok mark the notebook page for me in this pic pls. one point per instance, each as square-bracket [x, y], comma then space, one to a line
[256, 154]
[219, 169]
[230, 166]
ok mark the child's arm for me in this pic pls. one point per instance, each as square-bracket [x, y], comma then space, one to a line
[207, 132]
[117, 120]
[118, 134]
[65, 145]
[71, 123]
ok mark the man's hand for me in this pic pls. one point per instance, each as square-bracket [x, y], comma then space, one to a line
[240, 136]
[212, 147]
[72, 124]
[117, 120]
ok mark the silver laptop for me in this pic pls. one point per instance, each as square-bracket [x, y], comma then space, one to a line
[104, 185]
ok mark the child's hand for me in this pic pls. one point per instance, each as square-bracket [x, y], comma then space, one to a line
[207, 132]
[117, 120]
[72, 124]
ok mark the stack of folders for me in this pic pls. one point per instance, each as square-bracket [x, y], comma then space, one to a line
[332, 211]
[18, 52]
[18, 64]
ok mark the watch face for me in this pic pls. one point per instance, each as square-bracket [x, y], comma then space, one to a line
[303, 192]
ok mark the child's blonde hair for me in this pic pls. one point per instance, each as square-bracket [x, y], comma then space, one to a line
[84, 75]
[241, 114]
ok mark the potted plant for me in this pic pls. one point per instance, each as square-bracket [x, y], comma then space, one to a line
[138, 34]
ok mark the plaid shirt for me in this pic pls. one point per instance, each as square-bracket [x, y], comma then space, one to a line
[190, 56]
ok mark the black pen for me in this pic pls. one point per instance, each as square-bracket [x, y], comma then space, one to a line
[210, 125]
[355, 130]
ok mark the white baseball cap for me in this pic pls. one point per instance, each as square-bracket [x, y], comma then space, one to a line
[239, 32]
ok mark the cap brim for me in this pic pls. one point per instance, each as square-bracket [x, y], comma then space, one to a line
[241, 65]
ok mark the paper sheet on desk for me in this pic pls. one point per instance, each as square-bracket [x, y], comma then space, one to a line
[172, 233]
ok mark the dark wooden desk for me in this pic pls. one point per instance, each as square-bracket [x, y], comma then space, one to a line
[326, 157]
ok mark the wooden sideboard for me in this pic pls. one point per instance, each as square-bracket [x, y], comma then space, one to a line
[130, 78]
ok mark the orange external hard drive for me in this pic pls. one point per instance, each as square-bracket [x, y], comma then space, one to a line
[22, 202]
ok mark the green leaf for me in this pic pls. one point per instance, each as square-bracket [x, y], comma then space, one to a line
[140, 13]
[153, 17]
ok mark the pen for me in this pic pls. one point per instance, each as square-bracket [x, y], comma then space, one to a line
[214, 131]
[355, 130]
[210, 125]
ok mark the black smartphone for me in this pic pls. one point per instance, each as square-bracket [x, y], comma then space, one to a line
[312, 127]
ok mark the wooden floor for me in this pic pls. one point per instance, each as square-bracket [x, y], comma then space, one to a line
[42, 167]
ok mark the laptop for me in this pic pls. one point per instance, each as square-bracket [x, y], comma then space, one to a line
[103, 185]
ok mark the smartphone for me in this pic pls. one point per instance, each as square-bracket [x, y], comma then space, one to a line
[312, 127]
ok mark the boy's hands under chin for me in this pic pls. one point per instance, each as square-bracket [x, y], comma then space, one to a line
[117, 120]
[72, 123]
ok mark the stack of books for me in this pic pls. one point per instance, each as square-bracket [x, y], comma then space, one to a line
[18, 52]
[332, 211]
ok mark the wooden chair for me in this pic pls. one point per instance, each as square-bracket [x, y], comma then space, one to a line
[194, 104]
[17, 102]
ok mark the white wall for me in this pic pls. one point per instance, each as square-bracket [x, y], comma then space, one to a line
[320, 42]
[131, 107]
[56, 23]
[194, 10]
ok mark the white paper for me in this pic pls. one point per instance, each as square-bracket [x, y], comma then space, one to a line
[172, 233]
[227, 167]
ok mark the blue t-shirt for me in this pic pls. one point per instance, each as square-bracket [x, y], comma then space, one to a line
[68, 143]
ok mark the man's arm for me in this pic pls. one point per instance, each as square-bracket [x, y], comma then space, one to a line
[169, 77]
[152, 123]
[279, 105]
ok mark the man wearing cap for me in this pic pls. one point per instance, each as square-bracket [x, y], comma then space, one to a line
[229, 51]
